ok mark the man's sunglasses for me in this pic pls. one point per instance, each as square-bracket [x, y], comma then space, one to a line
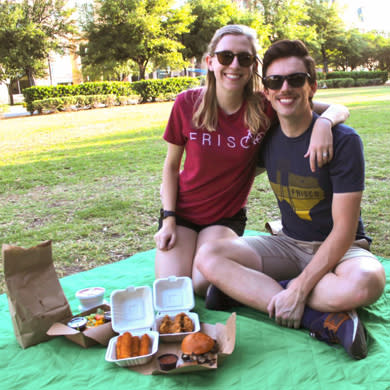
[295, 80]
[226, 57]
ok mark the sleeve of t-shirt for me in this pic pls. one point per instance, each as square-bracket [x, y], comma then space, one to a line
[173, 131]
[347, 167]
[271, 114]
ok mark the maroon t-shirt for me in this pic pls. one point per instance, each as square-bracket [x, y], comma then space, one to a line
[219, 166]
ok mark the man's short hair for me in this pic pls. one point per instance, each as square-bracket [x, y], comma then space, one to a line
[290, 48]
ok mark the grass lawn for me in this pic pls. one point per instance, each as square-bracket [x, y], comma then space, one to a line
[89, 181]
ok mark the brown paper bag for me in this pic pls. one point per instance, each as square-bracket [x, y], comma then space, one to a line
[35, 297]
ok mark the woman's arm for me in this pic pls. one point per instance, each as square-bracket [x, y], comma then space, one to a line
[166, 236]
[321, 143]
[335, 113]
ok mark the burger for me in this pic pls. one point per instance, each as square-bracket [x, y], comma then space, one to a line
[199, 348]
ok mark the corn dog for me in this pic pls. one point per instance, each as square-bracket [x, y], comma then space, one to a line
[123, 346]
[135, 344]
[145, 343]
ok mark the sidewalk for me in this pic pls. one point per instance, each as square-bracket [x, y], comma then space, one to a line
[16, 111]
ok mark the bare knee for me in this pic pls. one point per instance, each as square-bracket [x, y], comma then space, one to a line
[373, 283]
[208, 257]
[369, 284]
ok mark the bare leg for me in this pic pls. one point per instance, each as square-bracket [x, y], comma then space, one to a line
[235, 268]
[355, 282]
[209, 234]
[178, 260]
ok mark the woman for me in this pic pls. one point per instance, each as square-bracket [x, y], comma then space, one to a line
[220, 128]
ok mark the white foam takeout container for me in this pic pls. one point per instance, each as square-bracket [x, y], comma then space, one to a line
[171, 296]
[132, 311]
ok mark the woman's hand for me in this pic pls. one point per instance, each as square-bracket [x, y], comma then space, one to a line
[165, 238]
[321, 143]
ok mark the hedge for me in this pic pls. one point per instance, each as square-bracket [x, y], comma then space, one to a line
[149, 90]
[68, 103]
[163, 89]
[358, 75]
[348, 82]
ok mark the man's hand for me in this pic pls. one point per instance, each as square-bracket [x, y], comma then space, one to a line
[287, 308]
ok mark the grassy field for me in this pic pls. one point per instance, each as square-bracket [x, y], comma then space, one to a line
[89, 180]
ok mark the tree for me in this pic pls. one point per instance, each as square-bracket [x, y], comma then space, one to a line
[351, 51]
[143, 31]
[323, 15]
[29, 31]
[383, 54]
[283, 18]
[210, 15]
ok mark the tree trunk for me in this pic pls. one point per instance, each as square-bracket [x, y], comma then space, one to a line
[31, 81]
[324, 60]
[142, 69]
[11, 96]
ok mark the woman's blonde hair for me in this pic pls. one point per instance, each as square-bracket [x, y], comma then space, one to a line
[206, 112]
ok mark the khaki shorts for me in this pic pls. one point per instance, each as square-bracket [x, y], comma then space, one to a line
[284, 258]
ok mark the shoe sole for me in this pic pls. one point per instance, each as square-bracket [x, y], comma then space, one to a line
[358, 349]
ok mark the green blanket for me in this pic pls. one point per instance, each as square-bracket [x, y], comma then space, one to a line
[266, 356]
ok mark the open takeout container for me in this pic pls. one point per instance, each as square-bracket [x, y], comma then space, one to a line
[98, 335]
[132, 311]
[171, 296]
[225, 336]
[140, 310]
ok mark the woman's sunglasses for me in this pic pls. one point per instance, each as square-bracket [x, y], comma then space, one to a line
[295, 80]
[226, 57]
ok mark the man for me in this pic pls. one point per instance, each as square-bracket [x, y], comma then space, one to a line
[318, 268]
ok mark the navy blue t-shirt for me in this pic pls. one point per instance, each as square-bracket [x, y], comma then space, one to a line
[305, 197]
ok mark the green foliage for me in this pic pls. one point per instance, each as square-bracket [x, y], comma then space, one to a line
[99, 88]
[208, 17]
[340, 79]
[151, 90]
[68, 103]
[41, 98]
[345, 82]
[321, 76]
[284, 19]
[358, 75]
[140, 30]
[329, 29]
[368, 82]
[340, 82]
[29, 31]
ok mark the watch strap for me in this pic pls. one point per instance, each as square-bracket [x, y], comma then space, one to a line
[167, 213]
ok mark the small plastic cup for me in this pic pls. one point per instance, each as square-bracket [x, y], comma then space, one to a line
[78, 323]
[168, 361]
[90, 297]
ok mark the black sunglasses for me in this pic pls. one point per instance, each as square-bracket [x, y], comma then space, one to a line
[226, 57]
[295, 80]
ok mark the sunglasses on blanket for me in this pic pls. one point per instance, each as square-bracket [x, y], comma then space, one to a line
[226, 57]
[295, 80]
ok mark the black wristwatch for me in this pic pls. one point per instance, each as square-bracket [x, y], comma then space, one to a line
[165, 214]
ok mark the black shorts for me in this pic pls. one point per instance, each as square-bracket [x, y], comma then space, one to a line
[237, 223]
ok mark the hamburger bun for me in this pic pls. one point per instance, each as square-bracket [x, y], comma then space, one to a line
[197, 343]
